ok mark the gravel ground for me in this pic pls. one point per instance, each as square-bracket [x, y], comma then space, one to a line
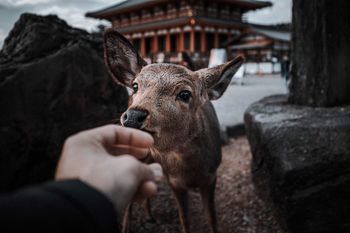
[239, 210]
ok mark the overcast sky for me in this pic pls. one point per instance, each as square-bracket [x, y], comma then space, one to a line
[73, 12]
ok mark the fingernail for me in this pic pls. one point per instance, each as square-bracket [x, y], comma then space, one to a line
[157, 171]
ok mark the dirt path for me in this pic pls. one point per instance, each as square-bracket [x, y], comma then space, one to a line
[239, 210]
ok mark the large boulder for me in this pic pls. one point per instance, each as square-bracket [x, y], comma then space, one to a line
[301, 162]
[53, 83]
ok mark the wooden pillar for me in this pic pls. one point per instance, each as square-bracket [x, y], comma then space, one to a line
[143, 46]
[216, 40]
[192, 40]
[229, 35]
[203, 42]
[181, 42]
[259, 61]
[155, 44]
[167, 42]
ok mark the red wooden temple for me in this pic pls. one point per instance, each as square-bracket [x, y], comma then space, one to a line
[170, 27]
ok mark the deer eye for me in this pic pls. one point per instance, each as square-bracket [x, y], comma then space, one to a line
[135, 87]
[184, 96]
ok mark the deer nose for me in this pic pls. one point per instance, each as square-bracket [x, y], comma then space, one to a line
[134, 118]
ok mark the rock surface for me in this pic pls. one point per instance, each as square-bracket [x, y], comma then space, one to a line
[301, 162]
[53, 83]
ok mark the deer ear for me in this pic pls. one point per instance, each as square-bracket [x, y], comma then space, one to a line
[122, 60]
[217, 79]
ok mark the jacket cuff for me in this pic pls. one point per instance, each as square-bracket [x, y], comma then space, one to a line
[89, 200]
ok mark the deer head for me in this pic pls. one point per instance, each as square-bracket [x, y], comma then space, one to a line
[167, 99]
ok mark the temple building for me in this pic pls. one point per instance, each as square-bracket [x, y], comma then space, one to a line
[163, 29]
[260, 43]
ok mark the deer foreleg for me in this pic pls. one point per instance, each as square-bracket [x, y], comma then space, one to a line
[208, 199]
[181, 196]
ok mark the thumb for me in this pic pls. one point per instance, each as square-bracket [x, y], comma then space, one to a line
[148, 187]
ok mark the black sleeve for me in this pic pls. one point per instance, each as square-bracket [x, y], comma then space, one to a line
[66, 206]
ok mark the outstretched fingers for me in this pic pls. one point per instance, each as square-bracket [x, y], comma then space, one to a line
[139, 153]
[120, 140]
[133, 137]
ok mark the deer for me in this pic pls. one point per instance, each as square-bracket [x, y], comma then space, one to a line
[172, 103]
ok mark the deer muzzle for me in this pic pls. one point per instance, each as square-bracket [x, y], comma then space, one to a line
[134, 118]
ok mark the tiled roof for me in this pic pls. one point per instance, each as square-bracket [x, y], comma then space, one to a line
[277, 35]
[129, 4]
[121, 6]
[253, 45]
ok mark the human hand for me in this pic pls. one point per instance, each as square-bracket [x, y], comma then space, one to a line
[91, 157]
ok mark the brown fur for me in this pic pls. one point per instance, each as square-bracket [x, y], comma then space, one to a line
[186, 135]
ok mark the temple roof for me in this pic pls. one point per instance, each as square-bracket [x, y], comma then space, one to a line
[277, 35]
[131, 5]
[268, 31]
[122, 7]
[253, 45]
